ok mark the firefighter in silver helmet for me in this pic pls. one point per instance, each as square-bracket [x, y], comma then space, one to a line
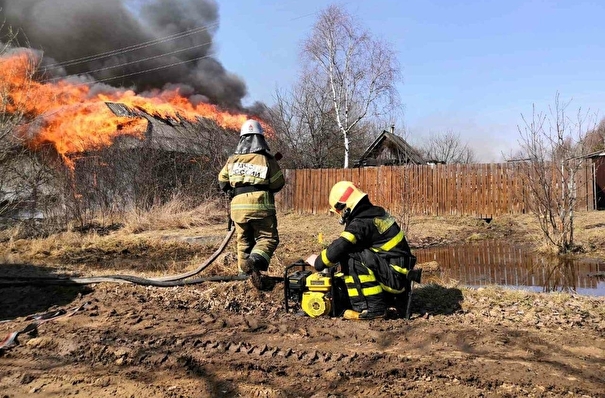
[251, 177]
[373, 253]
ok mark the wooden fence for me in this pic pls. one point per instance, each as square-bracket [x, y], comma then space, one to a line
[482, 190]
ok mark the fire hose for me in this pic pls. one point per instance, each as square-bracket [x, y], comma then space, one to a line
[165, 281]
[38, 319]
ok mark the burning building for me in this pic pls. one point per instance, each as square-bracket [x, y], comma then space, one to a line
[109, 148]
[116, 103]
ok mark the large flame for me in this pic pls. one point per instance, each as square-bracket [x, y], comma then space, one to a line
[73, 117]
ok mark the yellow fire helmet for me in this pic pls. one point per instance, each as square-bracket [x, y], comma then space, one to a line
[344, 196]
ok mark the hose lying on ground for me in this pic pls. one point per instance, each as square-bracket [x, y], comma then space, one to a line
[38, 319]
[165, 281]
[24, 281]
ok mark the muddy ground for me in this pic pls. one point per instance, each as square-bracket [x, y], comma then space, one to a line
[227, 339]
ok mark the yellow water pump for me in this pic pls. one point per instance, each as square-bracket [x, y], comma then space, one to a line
[317, 301]
[317, 293]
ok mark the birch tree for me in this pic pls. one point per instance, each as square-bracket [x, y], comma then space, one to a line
[306, 133]
[361, 70]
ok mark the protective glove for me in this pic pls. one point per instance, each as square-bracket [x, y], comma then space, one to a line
[312, 260]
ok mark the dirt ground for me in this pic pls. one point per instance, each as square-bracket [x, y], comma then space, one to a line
[226, 339]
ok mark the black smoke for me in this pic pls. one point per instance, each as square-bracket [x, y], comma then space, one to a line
[72, 34]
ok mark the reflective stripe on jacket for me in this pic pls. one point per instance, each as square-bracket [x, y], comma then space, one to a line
[373, 236]
[256, 169]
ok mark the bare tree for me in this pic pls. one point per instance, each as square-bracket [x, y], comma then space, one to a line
[17, 67]
[595, 139]
[447, 147]
[553, 146]
[306, 133]
[361, 70]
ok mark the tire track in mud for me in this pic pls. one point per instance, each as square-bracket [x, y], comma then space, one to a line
[372, 366]
[218, 345]
[386, 367]
[256, 350]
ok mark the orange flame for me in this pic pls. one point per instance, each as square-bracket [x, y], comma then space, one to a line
[73, 117]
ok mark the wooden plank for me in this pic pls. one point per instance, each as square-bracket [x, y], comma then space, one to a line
[457, 189]
[507, 189]
[473, 191]
[299, 188]
[442, 193]
[489, 184]
[433, 179]
[411, 189]
[308, 188]
[423, 195]
[442, 189]
[429, 197]
[495, 187]
[389, 185]
[446, 191]
[414, 202]
[481, 194]
[315, 194]
[472, 170]
[467, 188]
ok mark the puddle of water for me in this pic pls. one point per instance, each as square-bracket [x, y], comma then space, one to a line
[501, 263]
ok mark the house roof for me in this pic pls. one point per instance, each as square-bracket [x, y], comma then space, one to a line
[596, 154]
[169, 134]
[386, 138]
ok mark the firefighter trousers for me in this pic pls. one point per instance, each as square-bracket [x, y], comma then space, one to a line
[365, 292]
[258, 237]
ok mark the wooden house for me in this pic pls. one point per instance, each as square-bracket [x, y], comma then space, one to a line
[389, 150]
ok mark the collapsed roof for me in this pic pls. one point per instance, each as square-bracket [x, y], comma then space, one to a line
[172, 135]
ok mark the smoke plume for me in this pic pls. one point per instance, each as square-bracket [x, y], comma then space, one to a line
[134, 36]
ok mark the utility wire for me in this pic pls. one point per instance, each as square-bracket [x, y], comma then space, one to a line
[152, 69]
[129, 63]
[139, 46]
[129, 48]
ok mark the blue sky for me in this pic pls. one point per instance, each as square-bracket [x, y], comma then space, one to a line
[472, 67]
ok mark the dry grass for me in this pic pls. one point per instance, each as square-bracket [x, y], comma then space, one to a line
[510, 304]
[175, 237]
[176, 214]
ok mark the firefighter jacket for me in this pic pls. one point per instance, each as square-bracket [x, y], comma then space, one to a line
[251, 179]
[373, 237]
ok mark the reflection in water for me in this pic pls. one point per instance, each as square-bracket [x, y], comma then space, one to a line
[502, 263]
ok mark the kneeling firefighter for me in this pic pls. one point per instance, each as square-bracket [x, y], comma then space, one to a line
[373, 253]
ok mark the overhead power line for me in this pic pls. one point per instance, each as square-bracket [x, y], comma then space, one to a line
[127, 49]
[131, 62]
[153, 69]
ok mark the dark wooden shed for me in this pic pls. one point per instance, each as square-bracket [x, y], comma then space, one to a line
[598, 172]
[388, 150]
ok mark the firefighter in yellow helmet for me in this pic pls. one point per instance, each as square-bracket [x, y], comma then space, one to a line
[251, 177]
[372, 251]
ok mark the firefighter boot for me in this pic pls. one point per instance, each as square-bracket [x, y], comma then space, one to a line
[252, 267]
[363, 315]
[402, 304]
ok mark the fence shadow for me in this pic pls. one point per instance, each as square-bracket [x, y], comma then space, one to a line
[435, 299]
[18, 299]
